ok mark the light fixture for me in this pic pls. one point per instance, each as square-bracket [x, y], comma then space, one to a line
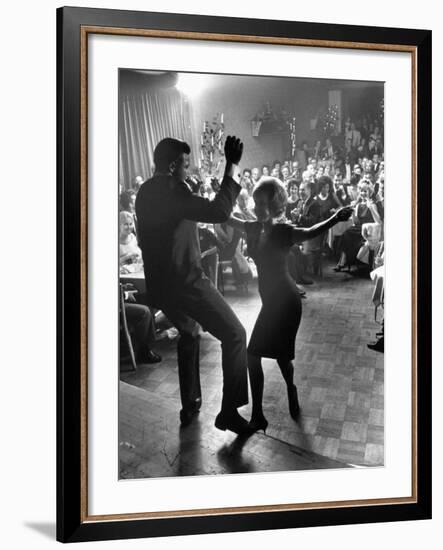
[192, 84]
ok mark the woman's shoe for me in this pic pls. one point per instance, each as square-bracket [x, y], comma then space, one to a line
[339, 268]
[294, 407]
[258, 423]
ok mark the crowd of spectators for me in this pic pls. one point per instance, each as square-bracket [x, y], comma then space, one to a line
[340, 170]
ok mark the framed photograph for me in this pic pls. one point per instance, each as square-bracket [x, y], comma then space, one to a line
[244, 304]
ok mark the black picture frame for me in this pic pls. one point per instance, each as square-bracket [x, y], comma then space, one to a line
[73, 524]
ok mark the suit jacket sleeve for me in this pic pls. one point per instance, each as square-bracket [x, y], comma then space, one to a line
[195, 208]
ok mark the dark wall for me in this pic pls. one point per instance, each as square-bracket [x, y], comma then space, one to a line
[241, 98]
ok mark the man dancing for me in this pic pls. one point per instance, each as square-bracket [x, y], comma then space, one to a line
[167, 213]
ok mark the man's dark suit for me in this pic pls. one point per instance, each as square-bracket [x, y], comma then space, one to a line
[310, 213]
[175, 283]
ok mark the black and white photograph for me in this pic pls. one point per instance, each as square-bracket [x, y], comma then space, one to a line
[251, 274]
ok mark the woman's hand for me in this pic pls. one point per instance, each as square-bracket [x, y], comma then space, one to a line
[343, 214]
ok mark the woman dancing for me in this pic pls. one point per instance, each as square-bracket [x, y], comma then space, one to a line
[273, 336]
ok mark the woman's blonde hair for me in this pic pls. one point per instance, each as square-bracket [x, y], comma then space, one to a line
[126, 216]
[366, 185]
[276, 194]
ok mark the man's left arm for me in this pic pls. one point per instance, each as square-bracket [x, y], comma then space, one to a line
[220, 208]
[196, 208]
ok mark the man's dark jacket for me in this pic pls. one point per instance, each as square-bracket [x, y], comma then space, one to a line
[167, 213]
[310, 214]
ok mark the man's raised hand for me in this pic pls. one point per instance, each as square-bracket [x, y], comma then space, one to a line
[233, 150]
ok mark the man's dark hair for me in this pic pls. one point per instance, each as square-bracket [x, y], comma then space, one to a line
[168, 150]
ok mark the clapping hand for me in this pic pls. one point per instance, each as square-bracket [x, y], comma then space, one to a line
[343, 214]
[233, 150]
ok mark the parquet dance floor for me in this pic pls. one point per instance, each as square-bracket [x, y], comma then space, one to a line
[339, 380]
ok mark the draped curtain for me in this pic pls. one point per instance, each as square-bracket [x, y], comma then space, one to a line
[145, 119]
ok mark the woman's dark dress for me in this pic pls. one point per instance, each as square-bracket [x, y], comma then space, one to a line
[277, 323]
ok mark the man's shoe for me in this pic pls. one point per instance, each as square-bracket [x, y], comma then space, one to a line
[233, 422]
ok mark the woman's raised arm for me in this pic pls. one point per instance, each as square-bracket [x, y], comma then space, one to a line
[301, 234]
[236, 223]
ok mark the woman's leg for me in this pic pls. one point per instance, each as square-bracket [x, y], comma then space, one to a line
[256, 380]
[287, 370]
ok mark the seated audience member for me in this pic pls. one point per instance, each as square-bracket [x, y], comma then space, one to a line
[347, 168]
[127, 201]
[351, 241]
[129, 253]
[358, 170]
[293, 199]
[326, 198]
[209, 251]
[246, 179]
[276, 165]
[305, 214]
[137, 183]
[377, 275]
[206, 190]
[379, 195]
[328, 149]
[215, 185]
[376, 163]
[265, 170]
[255, 176]
[296, 176]
[194, 182]
[127, 204]
[242, 209]
[340, 190]
[320, 172]
[285, 173]
[229, 245]
[275, 173]
[308, 211]
[353, 189]
[311, 169]
[141, 328]
[295, 169]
